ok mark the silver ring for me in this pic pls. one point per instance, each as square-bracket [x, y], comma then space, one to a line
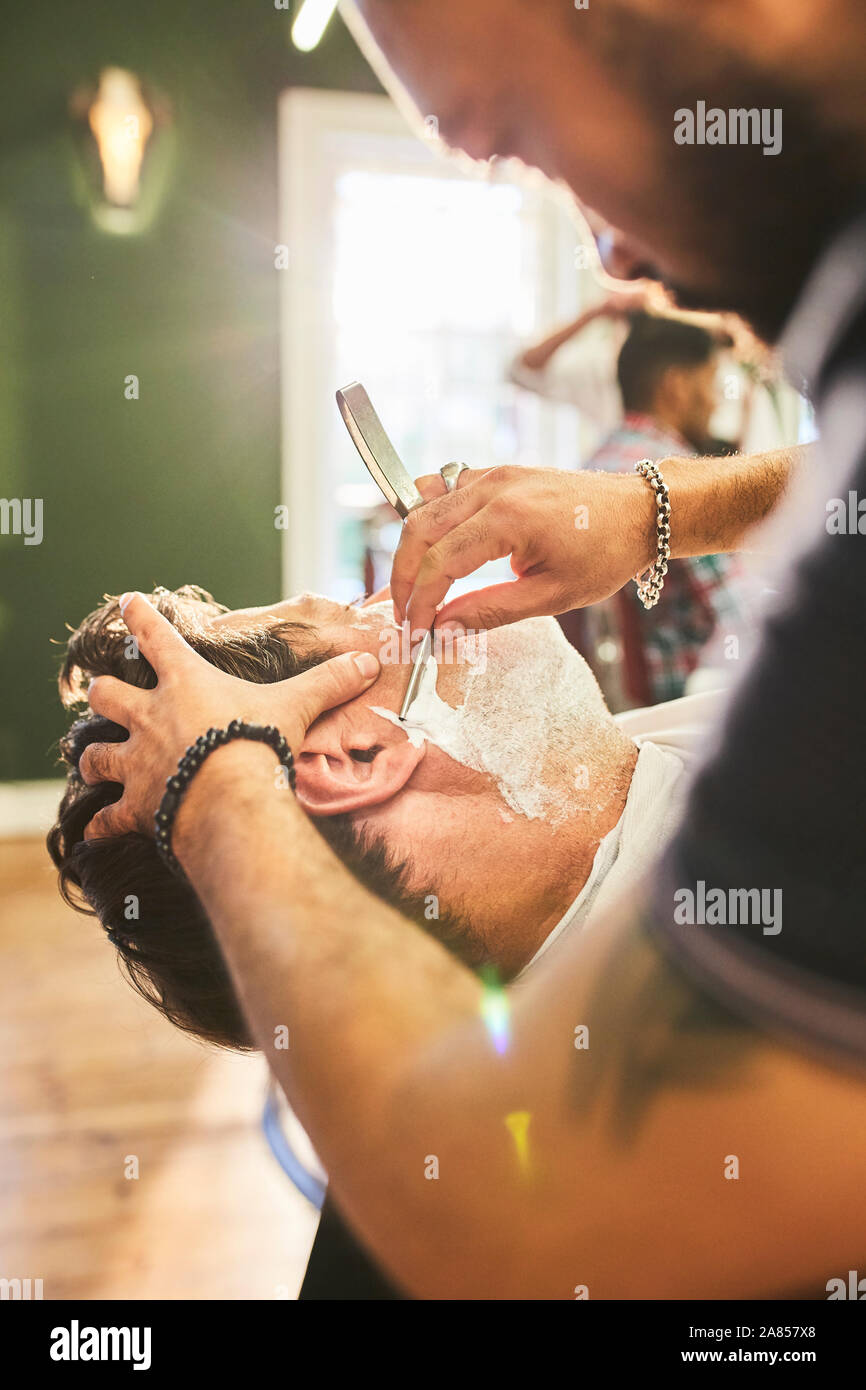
[451, 472]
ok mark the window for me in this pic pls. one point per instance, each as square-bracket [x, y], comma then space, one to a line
[419, 280]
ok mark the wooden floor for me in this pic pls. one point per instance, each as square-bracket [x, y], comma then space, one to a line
[90, 1075]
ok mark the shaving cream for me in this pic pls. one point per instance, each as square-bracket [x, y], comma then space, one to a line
[529, 717]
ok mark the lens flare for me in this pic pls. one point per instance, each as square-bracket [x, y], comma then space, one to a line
[518, 1123]
[495, 1014]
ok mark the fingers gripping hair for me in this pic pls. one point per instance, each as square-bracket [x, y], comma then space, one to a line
[155, 921]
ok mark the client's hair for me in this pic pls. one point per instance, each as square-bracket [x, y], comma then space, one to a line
[153, 918]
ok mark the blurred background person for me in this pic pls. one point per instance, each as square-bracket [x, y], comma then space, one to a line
[667, 380]
[576, 363]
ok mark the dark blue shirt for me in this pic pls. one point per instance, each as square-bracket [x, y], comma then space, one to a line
[780, 805]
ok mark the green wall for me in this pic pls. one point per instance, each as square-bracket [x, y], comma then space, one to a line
[180, 485]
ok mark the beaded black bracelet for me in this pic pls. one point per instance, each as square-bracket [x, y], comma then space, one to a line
[189, 766]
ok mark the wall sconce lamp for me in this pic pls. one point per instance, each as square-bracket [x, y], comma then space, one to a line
[122, 146]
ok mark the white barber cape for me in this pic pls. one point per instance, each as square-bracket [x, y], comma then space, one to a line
[669, 736]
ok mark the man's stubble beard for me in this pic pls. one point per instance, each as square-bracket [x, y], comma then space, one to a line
[371, 862]
[760, 221]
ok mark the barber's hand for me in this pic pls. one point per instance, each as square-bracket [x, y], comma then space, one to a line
[573, 539]
[192, 696]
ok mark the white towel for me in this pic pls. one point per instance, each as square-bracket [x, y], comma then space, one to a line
[669, 736]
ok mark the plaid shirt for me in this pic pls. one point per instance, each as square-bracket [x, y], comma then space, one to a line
[700, 593]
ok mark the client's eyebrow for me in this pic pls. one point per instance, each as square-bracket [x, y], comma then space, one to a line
[281, 625]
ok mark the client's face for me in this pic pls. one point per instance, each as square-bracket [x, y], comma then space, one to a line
[505, 718]
[494, 751]
[318, 624]
[518, 694]
[528, 650]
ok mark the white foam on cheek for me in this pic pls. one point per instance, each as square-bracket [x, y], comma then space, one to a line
[430, 717]
[523, 718]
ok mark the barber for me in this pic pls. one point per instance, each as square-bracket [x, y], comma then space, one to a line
[602, 1170]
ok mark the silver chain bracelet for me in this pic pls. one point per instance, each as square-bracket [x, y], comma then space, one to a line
[651, 581]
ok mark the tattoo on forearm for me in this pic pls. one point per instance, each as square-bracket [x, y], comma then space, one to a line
[652, 1029]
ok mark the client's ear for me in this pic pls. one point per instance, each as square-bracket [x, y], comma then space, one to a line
[350, 759]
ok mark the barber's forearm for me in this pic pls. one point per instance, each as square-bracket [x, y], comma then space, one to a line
[715, 502]
[389, 1066]
[364, 995]
[358, 987]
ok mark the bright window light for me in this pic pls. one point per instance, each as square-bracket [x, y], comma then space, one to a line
[422, 283]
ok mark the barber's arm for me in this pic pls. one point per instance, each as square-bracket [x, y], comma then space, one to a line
[573, 538]
[586, 1146]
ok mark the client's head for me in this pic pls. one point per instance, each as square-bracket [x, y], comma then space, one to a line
[482, 841]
